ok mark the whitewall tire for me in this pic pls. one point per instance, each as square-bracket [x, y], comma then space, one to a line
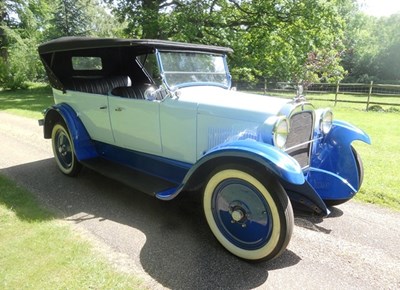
[63, 149]
[249, 215]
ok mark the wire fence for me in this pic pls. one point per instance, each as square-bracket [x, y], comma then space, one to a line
[369, 94]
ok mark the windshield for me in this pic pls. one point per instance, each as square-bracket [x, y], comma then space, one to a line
[193, 68]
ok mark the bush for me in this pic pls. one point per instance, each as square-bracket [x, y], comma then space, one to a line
[22, 65]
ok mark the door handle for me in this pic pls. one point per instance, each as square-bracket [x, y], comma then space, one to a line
[103, 107]
[118, 109]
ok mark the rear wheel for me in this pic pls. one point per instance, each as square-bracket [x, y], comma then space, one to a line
[249, 215]
[63, 150]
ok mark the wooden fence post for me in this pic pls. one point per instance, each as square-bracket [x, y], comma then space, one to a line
[337, 91]
[265, 86]
[369, 93]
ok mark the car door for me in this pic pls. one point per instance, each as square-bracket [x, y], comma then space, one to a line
[136, 124]
[92, 109]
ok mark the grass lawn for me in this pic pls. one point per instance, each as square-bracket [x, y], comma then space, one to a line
[29, 102]
[381, 159]
[39, 252]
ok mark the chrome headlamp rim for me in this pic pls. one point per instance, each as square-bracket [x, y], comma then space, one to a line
[280, 132]
[326, 121]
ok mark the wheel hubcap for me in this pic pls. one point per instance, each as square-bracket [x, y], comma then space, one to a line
[237, 215]
[242, 214]
[63, 150]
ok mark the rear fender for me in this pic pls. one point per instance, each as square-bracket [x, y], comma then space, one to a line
[83, 145]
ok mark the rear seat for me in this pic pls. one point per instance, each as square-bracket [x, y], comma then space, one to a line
[98, 85]
[133, 92]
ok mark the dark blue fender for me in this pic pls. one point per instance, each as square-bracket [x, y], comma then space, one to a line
[83, 145]
[333, 172]
[277, 162]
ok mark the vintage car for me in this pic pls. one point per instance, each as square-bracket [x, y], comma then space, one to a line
[162, 117]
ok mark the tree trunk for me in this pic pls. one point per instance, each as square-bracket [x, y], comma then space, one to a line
[3, 36]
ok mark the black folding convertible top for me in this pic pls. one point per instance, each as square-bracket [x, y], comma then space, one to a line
[116, 55]
[79, 43]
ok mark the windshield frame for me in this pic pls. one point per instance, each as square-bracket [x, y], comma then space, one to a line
[175, 87]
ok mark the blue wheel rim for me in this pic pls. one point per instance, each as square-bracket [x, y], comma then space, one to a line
[242, 214]
[63, 149]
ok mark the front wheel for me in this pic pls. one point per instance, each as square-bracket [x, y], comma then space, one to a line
[249, 215]
[63, 150]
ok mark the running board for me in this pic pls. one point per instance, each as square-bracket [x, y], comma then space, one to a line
[133, 178]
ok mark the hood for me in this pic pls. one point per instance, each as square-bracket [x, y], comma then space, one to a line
[231, 104]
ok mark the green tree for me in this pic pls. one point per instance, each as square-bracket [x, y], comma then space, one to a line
[299, 40]
[22, 64]
[362, 48]
[272, 39]
[22, 30]
[145, 18]
[101, 22]
[7, 9]
[70, 19]
[373, 52]
[388, 59]
[27, 23]
[291, 40]
[3, 38]
[84, 18]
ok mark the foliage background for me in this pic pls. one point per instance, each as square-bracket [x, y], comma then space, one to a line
[305, 41]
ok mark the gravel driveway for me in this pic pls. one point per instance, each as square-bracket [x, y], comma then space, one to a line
[169, 244]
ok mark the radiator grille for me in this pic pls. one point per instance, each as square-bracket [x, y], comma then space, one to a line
[298, 141]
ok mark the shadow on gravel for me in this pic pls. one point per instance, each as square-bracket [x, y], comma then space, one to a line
[311, 221]
[180, 252]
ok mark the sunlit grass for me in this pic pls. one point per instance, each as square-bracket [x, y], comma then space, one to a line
[39, 252]
[382, 158]
[28, 102]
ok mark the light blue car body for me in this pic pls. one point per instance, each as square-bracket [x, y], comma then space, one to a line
[179, 130]
[161, 117]
[332, 174]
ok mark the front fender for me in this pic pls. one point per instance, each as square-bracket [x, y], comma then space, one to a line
[83, 145]
[334, 156]
[347, 132]
[276, 161]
